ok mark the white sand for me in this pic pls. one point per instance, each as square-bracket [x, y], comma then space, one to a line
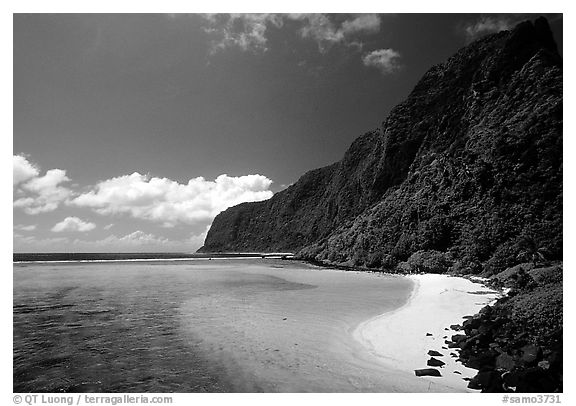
[398, 338]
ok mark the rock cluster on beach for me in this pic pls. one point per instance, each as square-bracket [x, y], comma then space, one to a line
[516, 344]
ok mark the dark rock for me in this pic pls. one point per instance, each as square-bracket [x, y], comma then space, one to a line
[435, 353]
[459, 337]
[456, 327]
[486, 310]
[428, 334]
[511, 379]
[536, 380]
[433, 362]
[530, 353]
[505, 361]
[487, 381]
[458, 372]
[427, 372]
[481, 360]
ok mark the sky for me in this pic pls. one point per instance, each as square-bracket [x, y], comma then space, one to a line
[131, 132]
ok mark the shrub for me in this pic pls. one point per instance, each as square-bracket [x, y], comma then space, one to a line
[429, 261]
[388, 261]
[374, 260]
[404, 267]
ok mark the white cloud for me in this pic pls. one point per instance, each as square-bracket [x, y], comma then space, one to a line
[245, 31]
[326, 32]
[22, 170]
[108, 227]
[168, 202]
[73, 224]
[38, 193]
[487, 25]
[248, 32]
[366, 23]
[22, 227]
[135, 239]
[386, 60]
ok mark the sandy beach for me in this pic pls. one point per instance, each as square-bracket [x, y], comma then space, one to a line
[348, 332]
[402, 338]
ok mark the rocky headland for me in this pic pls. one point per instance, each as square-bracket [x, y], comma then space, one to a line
[463, 177]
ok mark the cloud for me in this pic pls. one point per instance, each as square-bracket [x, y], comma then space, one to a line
[487, 25]
[248, 31]
[366, 23]
[384, 59]
[108, 227]
[136, 239]
[73, 224]
[327, 32]
[38, 193]
[244, 31]
[168, 202]
[22, 227]
[22, 170]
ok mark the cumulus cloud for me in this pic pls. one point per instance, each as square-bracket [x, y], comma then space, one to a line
[249, 31]
[386, 60]
[136, 239]
[22, 170]
[487, 25]
[326, 32]
[245, 31]
[38, 194]
[73, 224]
[168, 202]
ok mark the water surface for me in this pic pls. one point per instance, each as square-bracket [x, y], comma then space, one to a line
[195, 326]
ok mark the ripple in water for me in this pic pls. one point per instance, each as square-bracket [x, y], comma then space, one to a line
[117, 327]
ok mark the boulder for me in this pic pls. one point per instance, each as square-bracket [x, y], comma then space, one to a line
[427, 372]
[505, 361]
[433, 362]
[434, 353]
[530, 353]
[488, 381]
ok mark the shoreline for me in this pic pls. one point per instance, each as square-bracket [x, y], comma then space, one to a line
[401, 338]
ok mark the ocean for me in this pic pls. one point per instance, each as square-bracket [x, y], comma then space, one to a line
[193, 325]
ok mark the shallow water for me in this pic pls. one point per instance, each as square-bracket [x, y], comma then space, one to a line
[193, 326]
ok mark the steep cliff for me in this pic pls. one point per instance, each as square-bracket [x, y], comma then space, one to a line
[469, 165]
